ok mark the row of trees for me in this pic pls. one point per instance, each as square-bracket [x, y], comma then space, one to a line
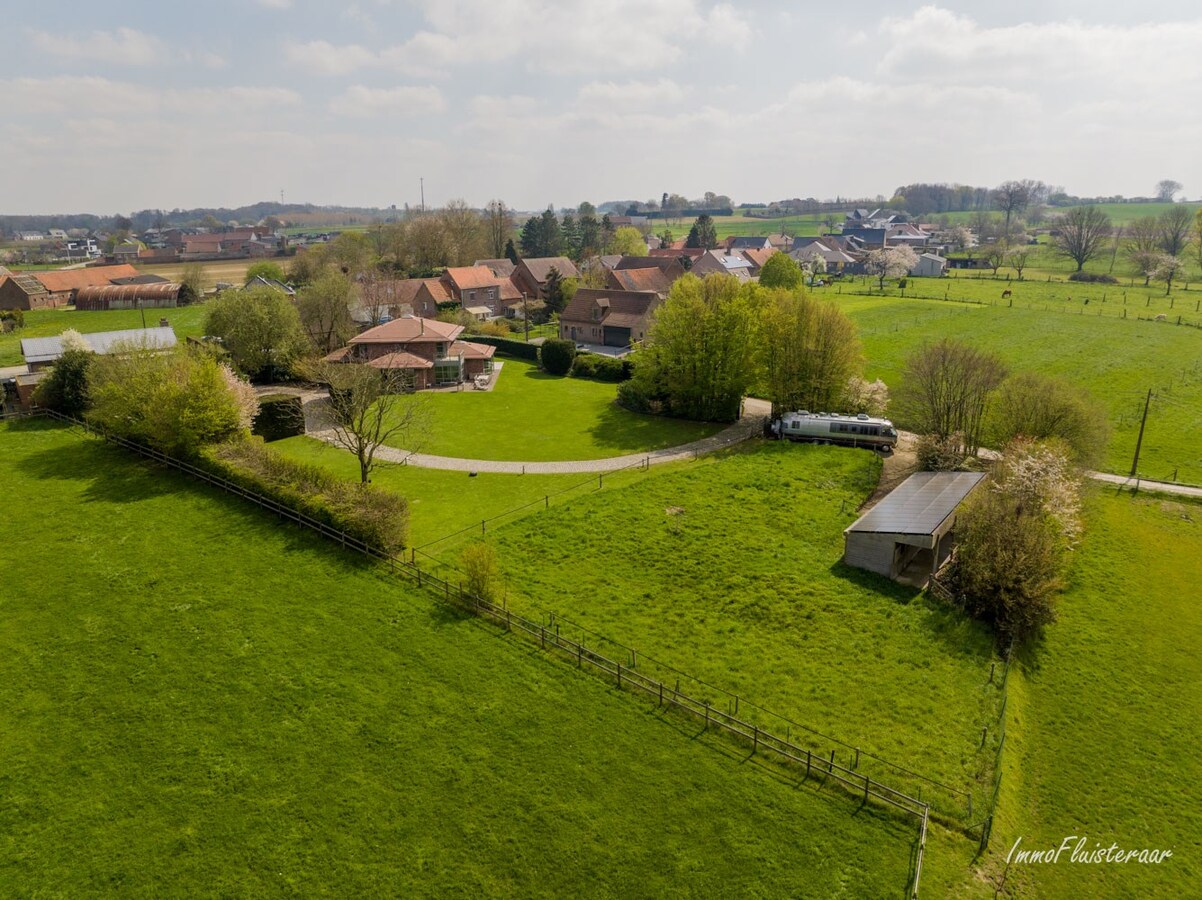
[578, 236]
[714, 339]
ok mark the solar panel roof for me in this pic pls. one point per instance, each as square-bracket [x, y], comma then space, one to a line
[920, 504]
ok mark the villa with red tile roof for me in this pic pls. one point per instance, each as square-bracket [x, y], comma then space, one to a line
[427, 349]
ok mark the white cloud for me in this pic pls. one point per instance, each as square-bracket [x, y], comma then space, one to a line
[327, 59]
[631, 95]
[276, 4]
[360, 101]
[125, 46]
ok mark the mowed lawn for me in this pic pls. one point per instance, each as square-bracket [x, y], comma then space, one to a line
[530, 415]
[1116, 361]
[1106, 714]
[729, 570]
[186, 320]
[195, 699]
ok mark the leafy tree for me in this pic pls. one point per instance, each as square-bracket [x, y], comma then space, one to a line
[511, 252]
[945, 390]
[556, 356]
[1167, 189]
[65, 389]
[700, 355]
[1030, 405]
[628, 241]
[555, 298]
[703, 233]
[177, 401]
[589, 231]
[571, 235]
[1167, 268]
[260, 328]
[351, 251]
[531, 238]
[607, 233]
[1013, 536]
[482, 571]
[265, 269]
[369, 408]
[806, 349]
[780, 271]
[324, 307]
[1081, 234]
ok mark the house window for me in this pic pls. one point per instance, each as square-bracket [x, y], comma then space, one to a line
[596, 314]
[492, 294]
[446, 373]
[471, 295]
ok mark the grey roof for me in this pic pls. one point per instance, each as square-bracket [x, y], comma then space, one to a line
[920, 504]
[48, 349]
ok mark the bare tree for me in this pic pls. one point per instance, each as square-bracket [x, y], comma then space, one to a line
[1081, 234]
[1143, 240]
[499, 225]
[1174, 230]
[945, 389]
[1018, 258]
[368, 408]
[465, 233]
[1011, 198]
[1166, 189]
[994, 256]
[376, 299]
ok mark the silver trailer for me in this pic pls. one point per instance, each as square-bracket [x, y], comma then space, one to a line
[833, 428]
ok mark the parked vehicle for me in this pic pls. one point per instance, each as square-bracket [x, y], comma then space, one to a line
[835, 428]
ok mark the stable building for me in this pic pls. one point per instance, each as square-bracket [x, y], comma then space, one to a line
[909, 535]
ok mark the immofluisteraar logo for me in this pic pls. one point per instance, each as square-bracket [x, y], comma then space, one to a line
[1078, 851]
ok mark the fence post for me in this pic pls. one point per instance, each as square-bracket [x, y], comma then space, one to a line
[543, 636]
[707, 715]
[619, 674]
[661, 693]
[808, 758]
[755, 738]
[579, 656]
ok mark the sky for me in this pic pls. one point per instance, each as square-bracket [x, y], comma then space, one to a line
[115, 108]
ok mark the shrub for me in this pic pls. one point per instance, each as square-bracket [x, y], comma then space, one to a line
[378, 518]
[176, 401]
[65, 389]
[482, 571]
[939, 454]
[1093, 278]
[508, 346]
[261, 329]
[11, 320]
[601, 368]
[556, 356]
[280, 416]
[871, 397]
[1038, 407]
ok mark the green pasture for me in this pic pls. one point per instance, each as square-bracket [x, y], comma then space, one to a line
[728, 569]
[532, 416]
[186, 320]
[1116, 360]
[1105, 715]
[196, 699]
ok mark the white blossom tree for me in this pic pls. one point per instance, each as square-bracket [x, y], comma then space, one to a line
[890, 262]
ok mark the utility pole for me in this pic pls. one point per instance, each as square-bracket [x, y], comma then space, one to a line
[422, 182]
[1140, 440]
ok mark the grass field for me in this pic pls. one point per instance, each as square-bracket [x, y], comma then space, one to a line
[186, 320]
[1118, 361]
[1106, 715]
[729, 569]
[256, 713]
[533, 416]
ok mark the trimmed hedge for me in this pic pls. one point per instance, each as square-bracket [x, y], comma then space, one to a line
[508, 346]
[1093, 278]
[280, 416]
[556, 356]
[376, 517]
[601, 368]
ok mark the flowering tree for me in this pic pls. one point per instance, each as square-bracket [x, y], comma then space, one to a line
[1166, 269]
[871, 397]
[890, 262]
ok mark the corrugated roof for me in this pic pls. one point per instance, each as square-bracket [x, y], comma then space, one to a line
[920, 504]
[156, 291]
[48, 349]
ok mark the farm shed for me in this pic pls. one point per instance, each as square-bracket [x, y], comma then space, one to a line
[20, 291]
[910, 533]
[165, 295]
[41, 353]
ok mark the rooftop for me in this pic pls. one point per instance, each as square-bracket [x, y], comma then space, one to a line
[920, 504]
[48, 349]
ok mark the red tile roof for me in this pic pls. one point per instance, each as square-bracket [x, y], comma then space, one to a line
[74, 279]
[650, 279]
[471, 351]
[409, 330]
[400, 360]
[469, 277]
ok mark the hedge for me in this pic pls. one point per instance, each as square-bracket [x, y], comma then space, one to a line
[556, 355]
[1093, 278]
[376, 517]
[601, 368]
[280, 416]
[508, 346]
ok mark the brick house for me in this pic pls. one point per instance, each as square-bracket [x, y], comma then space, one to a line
[608, 318]
[64, 284]
[426, 348]
[530, 276]
[21, 291]
[479, 290]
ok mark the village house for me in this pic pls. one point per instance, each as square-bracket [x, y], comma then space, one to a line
[608, 318]
[426, 349]
[757, 258]
[717, 262]
[480, 291]
[19, 290]
[530, 276]
[652, 278]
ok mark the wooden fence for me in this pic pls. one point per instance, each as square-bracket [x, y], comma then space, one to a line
[802, 760]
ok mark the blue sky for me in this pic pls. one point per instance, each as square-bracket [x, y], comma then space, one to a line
[116, 108]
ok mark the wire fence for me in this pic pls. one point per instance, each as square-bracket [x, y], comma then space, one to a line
[802, 759]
